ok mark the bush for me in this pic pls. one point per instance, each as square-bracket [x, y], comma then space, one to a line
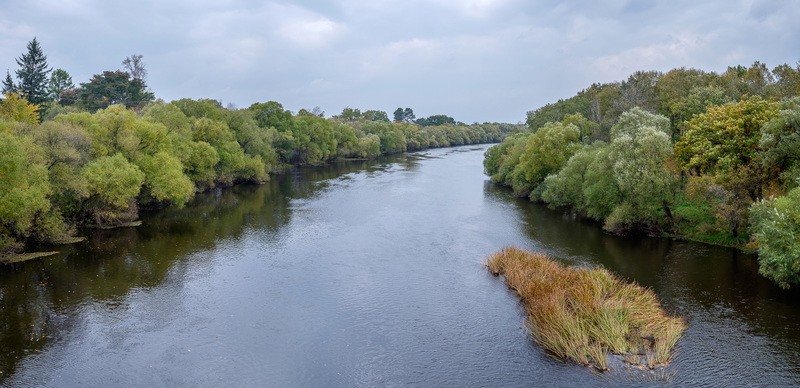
[775, 226]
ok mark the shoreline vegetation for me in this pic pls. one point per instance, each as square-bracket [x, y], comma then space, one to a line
[96, 169]
[690, 154]
[90, 156]
[587, 315]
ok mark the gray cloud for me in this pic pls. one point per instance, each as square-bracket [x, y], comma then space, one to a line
[476, 60]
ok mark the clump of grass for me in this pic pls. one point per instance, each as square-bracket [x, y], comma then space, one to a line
[585, 314]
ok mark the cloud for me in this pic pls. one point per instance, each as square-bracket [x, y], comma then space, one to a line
[305, 29]
[478, 9]
[676, 51]
[475, 60]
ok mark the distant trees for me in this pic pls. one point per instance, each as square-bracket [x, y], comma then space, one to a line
[355, 114]
[435, 120]
[404, 115]
[92, 155]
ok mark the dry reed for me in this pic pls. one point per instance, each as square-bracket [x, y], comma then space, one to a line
[586, 314]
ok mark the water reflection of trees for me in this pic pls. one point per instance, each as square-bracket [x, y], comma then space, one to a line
[39, 299]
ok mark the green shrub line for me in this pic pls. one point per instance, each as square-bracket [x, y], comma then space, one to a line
[685, 154]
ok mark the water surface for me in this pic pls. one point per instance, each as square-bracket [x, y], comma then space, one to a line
[364, 274]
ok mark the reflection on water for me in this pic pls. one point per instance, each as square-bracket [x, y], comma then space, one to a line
[363, 273]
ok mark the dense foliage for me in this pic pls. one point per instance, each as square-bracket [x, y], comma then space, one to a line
[95, 164]
[706, 156]
[93, 155]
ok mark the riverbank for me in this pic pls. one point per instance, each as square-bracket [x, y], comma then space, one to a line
[587, 314]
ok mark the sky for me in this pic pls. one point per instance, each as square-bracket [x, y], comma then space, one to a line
[474, 60]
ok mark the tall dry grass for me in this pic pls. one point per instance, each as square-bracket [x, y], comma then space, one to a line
[585, 314]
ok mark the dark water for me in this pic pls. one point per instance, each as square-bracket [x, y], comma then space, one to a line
[366, 274]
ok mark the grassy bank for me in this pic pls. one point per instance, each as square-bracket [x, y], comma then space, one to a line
[585, 314]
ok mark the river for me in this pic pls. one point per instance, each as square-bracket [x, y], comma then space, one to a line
[365, 274]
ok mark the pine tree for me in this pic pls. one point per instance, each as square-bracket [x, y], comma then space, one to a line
[8, 84]
[33, 74]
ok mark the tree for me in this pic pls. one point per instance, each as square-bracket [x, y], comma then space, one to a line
[375, 115]
[271, 114]
[723, 143]
[725, 137]
[780, 144]
[15, 108]
[351, 114]
[545, 152]
[60, 81]
[435, 120]
[640, 90]
[404, 115]
[164, 179]
[23, 188]
[114, 180]
[787, 80]
[113, 87]
[32, 74]
[135, 67]
[640, 149]
[8, 84]
[775, 225]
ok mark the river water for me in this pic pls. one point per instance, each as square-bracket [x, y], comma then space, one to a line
[365, 274]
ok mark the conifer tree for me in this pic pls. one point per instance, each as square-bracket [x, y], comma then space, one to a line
[33, 74]
[8, 84]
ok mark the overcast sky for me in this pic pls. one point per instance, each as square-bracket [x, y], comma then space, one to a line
[475, 60]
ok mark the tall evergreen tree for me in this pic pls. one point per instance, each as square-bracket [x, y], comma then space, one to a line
[8, 84]
[33, 74]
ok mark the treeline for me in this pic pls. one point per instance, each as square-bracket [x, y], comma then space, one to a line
[705, 156]
[95, 163]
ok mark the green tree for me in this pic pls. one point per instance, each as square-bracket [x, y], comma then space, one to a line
[113, 184]
[60, 82]
[723, 143]
[375, 115]
[24, 188]
[369, 146]
[113, 87]
[164, 179]
[67, 148]
[16, 108]
[780, 145]
[545, 152]
[350, 114]
[404, 115]
[435, 120]
[271, 114]
[698, 101]
[725, 137]
[775, 227]
[639, 90]
[640, 150]
[566, 188]
[32, 73]
[787, 80]
[8, 84]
